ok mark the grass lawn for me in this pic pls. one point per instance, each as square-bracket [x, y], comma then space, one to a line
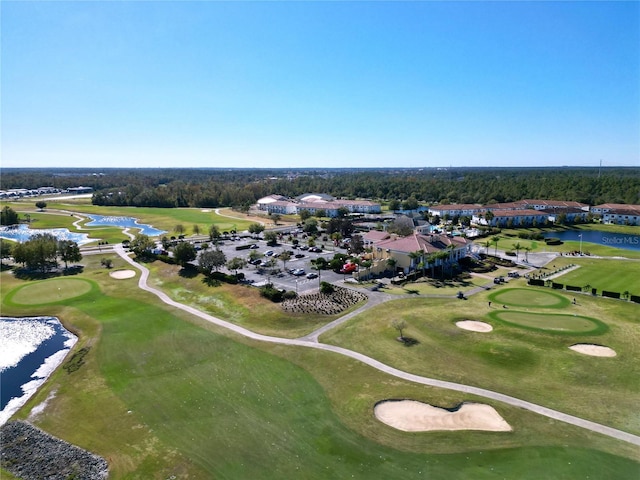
[529, 297]
[529, 364]
[565, 324]
[239, 304]
[601, 273]
[163, 394]
[160, 218]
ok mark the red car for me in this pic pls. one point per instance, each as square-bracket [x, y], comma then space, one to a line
[348, 268]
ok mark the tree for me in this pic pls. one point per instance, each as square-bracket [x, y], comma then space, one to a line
[236, 263]
[38, 253]
[488, 216]
[321, 212]
[5, 248]
[255, 254]
[8, 216]
[495, 240]
[284, 258]
[410, 203]
[310, 225]
[196, 229]
[211, 260]
[41, 205]
[415, 256]
[402, 225]
[183, 253]
[179, 229]
[391, 263]
[69, 252]
[526, 253]
[342, 212]
[106, 262]
[304, 214]
[394, 205]
[356, 245]
[517, 247]
[141, 245]
[271, 238]
[214, 234]
[256, 228]
[400, 326]
[276, 217]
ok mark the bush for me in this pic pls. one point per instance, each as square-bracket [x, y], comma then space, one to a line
[272, 293]
[573, 288]
[289, 295]
[223, 277]
[326, 288]
[553, 241]
[557, 286]
[634, 298]
[166, 259]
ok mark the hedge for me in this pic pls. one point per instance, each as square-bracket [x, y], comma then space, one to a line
[557, 286]
[635, 298]
[536, 282]
[610, 294]
[223, 277]
[243, 247]
[573, 288]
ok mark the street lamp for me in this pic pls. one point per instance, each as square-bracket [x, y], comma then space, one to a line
[580, 244]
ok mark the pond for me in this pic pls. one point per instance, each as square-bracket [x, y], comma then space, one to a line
[23, 233]
[617, 240]
[123, 222]
[31, 349]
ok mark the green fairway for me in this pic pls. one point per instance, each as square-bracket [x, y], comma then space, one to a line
[162, 394]
[554, 323]
[48, 291]
[602, 274]
[528, 297]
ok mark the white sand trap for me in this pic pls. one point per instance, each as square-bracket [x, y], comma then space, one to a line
[593, 350]
[205, 211]
[413, 416]
[122, 274]
[474, 326]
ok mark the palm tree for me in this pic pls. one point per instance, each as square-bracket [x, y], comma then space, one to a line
[284, 258]
[486, 245]
[495, 240]
[526, 253]
[415, 256]
[517, 247]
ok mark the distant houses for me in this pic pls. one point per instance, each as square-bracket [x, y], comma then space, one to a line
[314, 203]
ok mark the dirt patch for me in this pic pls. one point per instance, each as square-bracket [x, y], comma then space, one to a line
[474, 326]
[122, 274]
[593, 350]
[413, 416]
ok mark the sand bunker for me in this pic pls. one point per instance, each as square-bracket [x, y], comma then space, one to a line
[593, 350]
[474, 326]
[413, 416]
[122, 274]
[205, 210]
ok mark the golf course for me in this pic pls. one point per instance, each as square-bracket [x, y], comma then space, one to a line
[162, 392]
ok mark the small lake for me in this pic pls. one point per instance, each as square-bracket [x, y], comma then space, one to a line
[31, 348]
[617, 240]
[123, 222]
[23, 233]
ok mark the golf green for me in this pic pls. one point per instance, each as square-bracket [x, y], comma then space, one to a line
[525, 297]
[557, 323]
[49, 291]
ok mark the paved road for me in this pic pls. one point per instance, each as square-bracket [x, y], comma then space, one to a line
[310, 341]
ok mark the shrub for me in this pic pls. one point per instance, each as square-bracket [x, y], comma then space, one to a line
[536, 282]
[557, 286]
[326, 288]
[289, 295]
[272, 293]
[166, 259]
[634, 298]
[573, 288]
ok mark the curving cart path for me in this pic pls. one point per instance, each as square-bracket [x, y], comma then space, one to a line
[311, 341]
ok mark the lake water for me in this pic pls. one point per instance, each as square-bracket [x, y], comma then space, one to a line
[123, 222]
[616, 240]
[23, 233]
[31, 348]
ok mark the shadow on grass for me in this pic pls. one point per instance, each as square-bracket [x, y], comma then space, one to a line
[408, 341]
[211, 282]
[188, 272]
[29, 274]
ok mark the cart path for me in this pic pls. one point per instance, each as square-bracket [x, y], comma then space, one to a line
[481, 392]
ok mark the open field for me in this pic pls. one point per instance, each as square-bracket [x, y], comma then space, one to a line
[163, 394]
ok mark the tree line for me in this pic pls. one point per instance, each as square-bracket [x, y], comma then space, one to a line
[243, 187]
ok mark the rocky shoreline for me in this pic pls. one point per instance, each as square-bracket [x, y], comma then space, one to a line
[29, 453]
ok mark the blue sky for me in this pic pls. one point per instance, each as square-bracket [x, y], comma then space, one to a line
[320, 84]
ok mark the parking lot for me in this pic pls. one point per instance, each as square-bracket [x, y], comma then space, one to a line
[277, 275]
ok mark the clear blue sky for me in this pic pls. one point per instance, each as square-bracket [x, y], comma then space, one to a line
[313, 84]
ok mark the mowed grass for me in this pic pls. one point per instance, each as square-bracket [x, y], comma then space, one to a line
[528, 297]
[163, 395]
[48, 291]
[572, 324]
[602, 273]
[525, 363]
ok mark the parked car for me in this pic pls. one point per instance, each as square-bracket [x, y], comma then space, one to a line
[299, 255]
[253, 245]
[315, 249]
[348, 268]
[298, 272]
[268, 253]
[312, 275]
